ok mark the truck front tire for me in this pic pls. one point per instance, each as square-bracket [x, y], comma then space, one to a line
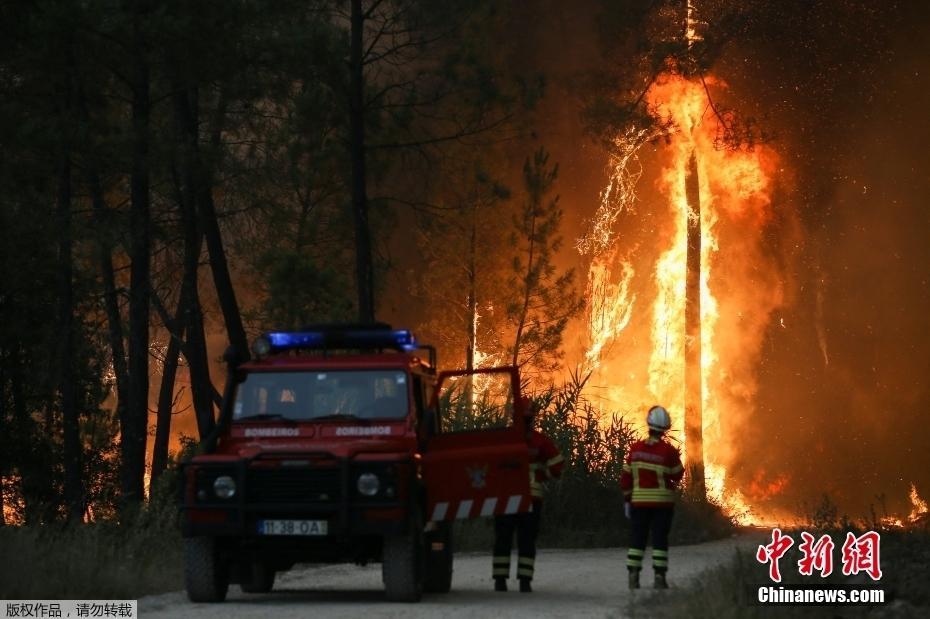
[402, 566]
[205, 576]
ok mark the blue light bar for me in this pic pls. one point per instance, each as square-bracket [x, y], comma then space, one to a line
[284, 340]
[401, 339]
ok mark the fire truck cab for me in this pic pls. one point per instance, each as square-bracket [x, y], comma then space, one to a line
[343, 444]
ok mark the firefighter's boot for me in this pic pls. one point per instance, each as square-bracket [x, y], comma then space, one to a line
[500, 584]
[660, 582]
[634, 579]
[525, 586]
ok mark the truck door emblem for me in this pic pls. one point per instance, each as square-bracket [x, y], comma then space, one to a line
[477, 475]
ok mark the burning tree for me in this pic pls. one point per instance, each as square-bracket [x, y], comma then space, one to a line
[717, 180]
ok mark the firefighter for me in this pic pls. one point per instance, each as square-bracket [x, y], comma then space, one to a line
[651, 474]
[545, 463]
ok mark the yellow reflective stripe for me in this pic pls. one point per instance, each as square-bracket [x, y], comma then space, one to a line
[525, 572]
[634, 562]
[660, 562]
[657, 497]
[501, 572]
[555, 460]
[655, 493]
[501, 560]
[634, 552]
[527, 561]
[626, 468]
[676, 469]
[659, 553]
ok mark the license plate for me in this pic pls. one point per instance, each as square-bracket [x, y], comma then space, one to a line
[292, 527]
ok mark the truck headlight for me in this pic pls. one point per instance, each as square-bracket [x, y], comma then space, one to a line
[224, 487]
[368, 484]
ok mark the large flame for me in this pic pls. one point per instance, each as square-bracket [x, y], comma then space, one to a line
[740, 288]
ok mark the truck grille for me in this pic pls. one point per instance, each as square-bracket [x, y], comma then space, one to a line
[288, 485]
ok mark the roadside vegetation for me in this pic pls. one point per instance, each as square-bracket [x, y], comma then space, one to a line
[584, 508]
[729, 591]
[101, 560]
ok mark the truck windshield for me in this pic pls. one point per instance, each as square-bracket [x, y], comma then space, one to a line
[301, 396]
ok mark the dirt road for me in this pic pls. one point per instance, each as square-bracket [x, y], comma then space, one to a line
[575, 583]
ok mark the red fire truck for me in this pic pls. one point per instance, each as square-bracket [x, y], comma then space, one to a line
[343, 444]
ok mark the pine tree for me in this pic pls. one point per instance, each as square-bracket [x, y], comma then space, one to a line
[543, 298]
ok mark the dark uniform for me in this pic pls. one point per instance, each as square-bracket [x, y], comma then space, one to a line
[545, 463]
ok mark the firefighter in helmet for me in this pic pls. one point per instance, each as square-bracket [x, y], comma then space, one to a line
[651, 474]
[545, 463]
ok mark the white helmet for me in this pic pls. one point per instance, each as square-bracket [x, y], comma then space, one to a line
[658, 419]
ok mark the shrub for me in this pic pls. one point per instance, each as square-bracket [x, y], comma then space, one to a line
[584, 507]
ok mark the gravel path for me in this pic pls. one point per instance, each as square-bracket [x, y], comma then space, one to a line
[575, 583]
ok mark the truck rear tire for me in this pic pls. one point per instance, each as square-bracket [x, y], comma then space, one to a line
[402, 566]
[261, 579]
[439, 552]
[206, 578]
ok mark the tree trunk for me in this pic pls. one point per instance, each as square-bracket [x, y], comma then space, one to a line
[110, 300]
[190, 313]
[32, 485]
[4, 437]
[73, 484]
[472, 275]
[363, 257]
[165, 405]
[694, 441]
[202, 181]
[195, 343]
[134, 432]
[527, 291]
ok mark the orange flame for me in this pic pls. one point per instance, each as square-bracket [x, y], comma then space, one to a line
[740, 288]
[919, 511]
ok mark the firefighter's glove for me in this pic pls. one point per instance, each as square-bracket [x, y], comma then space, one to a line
[628, 510]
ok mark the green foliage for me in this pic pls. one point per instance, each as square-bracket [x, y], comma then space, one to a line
[584, 507]
[476, 404]
[301, 291]
[465, 262]
[542, 299]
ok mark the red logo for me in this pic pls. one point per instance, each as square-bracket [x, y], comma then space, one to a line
[859, 554]
[816, 556]
[771, 553]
